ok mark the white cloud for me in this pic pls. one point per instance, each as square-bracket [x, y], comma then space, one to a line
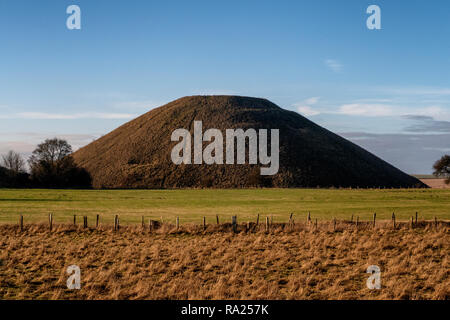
[209, 92]
[373, 100]
[307, 111]
[385, 110]
[312, 100]
[334, 65]
[22, 147]
[74, 116]
[433, 111]
[136, 105]
[368, 110]
[305, 108]
[25, 142]
[425, 91]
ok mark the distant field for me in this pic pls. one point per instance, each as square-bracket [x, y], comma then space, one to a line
[192, 205]
[436, 183]
[424, 176]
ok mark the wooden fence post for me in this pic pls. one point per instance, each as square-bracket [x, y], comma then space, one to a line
[50, 221]
[217, 219]
[393, 220]
[374, 219]
[315, 224]
[178, 223]
[267, 224]
[21, 223]
[334, 224]
[234, 223]
[116, 219]
[97, 221]
[74, 220]
[290, 219]
[357, 222]
[85, 222]
[257, 220]
[308, 220]
[412, 222]
[435, 222]
[150, 224]
[142, 222]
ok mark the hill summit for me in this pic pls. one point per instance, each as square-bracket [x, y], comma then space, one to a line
[138, 154]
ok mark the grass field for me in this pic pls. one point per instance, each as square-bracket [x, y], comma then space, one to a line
[298, 264]
[192, 205]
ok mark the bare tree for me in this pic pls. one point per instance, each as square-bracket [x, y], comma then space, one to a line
[14, 162]
[442, 168]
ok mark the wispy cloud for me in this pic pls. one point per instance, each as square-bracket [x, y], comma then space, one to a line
[307, 111]
[424, 91]
[305, 108]
[312, 100]
[412, 153]
[25, 142]
[385, 110]
[73, 116]
[427, 124]
[368, 110]
[208, 92]
[334, 65]
[136, 105]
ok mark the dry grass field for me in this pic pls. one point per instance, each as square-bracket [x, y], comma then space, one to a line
[192, 263]
[436, 183]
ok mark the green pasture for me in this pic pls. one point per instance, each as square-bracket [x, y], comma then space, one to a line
[192, 205]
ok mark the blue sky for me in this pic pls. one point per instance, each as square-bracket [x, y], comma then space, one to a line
[387, 90]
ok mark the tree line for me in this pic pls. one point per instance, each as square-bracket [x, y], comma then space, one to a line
[51, 165]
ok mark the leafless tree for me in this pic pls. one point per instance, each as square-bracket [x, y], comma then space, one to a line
[13, 161]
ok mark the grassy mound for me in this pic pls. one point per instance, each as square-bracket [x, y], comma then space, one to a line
[137, 154]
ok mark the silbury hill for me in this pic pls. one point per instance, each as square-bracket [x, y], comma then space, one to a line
[138, 154]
